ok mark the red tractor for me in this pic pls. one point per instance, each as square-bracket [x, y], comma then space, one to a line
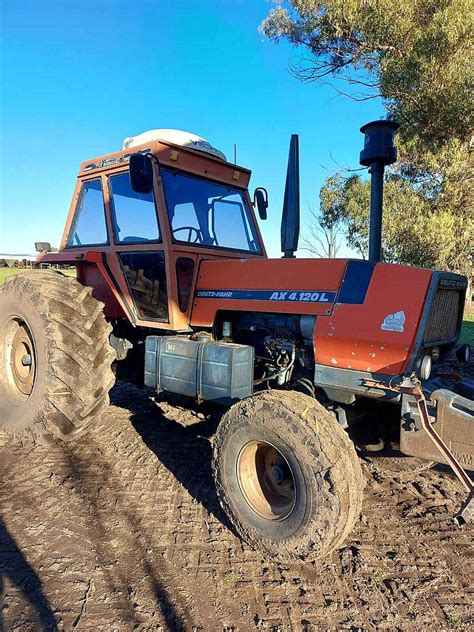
[314, 358]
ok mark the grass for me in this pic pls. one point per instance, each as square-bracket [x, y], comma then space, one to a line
[8, 272]
[467, 329]
[454, 620]
[229, 576]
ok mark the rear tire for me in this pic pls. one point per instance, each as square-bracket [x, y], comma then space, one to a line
[55, 358]
[287, 475]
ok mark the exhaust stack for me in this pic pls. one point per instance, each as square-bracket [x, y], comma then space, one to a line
[290, 221]
[379, 151]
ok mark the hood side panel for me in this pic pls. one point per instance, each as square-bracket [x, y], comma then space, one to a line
[379, 334]
[285, 286]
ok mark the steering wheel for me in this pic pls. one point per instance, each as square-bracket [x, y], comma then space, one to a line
[191, 229]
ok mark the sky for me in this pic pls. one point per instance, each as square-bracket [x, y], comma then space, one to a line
[76, 78]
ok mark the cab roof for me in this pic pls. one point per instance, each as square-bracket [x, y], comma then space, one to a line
[181, 157]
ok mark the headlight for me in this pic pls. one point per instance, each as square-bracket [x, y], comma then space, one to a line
[435, 354]
[463, 353]
[425, 368]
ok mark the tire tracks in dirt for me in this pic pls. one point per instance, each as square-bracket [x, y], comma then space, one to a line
[122, 531]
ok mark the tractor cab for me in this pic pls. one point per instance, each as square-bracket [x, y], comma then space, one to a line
[143, 218]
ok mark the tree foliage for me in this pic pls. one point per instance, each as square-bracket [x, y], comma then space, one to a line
[413, 232]
[418, 55]
[413, 53]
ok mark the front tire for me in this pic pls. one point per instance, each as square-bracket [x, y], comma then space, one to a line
[287, 475]
[55, 358]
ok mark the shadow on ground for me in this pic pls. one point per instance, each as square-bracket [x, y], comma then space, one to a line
[186, 451]
[98, 500]
[123, 545]
[15, 568]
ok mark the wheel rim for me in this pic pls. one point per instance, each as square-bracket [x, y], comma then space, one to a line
[19, 358]
[266, 480]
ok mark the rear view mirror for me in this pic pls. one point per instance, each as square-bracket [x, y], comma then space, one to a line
[141, 173]
[42, 246]
[260, 201]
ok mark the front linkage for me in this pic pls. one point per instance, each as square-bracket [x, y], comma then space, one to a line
[411, 386]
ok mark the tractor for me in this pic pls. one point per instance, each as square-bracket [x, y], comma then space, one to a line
[317, 362]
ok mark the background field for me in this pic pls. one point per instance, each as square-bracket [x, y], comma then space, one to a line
[8, 272]
[467, 331]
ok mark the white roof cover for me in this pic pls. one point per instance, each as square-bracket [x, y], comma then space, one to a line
[176, 137]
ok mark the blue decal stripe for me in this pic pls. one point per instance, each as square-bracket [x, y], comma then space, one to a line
[278, 296]
[356, 282]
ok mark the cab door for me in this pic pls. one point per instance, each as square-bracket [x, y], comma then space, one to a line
[139, 247]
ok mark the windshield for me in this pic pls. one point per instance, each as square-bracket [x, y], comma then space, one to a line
[204, 213]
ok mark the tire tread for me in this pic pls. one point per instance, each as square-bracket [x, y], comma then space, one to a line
[79, 355]
[337, 457]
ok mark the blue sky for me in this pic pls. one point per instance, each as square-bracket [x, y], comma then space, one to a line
[78, 77]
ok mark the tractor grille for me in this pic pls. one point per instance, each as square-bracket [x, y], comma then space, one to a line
[444, 316]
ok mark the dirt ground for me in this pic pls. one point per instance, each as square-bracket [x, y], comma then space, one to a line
[122, 531]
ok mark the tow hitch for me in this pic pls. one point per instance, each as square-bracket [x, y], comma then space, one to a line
[447, 413]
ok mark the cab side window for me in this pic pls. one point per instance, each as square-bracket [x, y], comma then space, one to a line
[89, 227]
[134, 214]
[146, 277]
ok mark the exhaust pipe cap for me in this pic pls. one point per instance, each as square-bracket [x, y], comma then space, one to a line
[379, 143]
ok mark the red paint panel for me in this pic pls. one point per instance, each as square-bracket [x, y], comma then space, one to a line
[352, 336]
[265, 274]
[91, 275]
[71, 257]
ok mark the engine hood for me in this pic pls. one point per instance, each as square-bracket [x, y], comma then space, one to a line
[292, 286]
